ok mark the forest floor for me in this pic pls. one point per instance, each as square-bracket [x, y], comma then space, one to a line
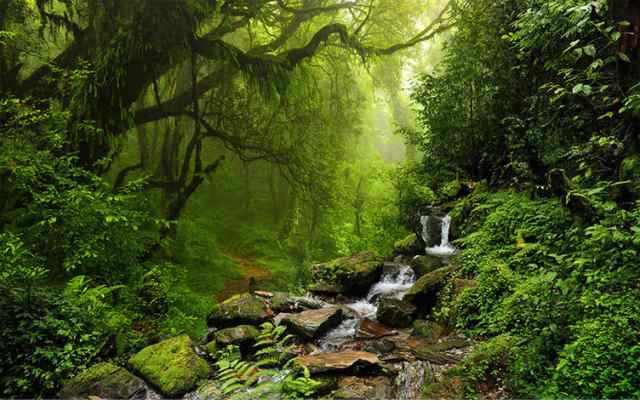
[251, 271]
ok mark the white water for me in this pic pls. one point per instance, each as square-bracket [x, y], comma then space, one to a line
[393, 285]
[445, 248]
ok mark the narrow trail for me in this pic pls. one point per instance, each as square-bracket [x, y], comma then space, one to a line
[250, 270]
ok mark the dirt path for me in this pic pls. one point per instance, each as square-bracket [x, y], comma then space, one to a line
[251, 271]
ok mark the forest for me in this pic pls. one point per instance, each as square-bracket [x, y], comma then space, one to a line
[320, 199]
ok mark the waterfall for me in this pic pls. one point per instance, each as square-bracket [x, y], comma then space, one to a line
[444, 249]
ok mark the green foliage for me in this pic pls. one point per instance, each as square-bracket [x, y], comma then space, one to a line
[602, 362]
[274, 367]
[55, 336]
[561, 289]
[274, 346]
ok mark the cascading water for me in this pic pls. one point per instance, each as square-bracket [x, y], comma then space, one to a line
[394, 284]
[445, 248]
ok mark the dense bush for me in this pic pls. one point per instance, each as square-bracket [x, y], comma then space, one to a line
[566, 291]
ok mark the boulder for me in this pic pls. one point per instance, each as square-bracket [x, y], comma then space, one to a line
[407, 246]
[282, 302]
[239, 335]
[212, 348]
[106, 381]
[424, 264]
[171, 366]
[358, 388]
[394, 312]
[444, 352]
[431, 331]
[368, 329]
[339, 361]
[352, 274]
[424, 292]
[379, 346]
[311, 324]
[326, 288]
[210, 390]
[242, 309]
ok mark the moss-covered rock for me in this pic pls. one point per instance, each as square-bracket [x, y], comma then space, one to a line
[424, 292]
[407, 246]
[242, 309]
[431, 331]
[212, 348]
[424, 264]
[358, 388]
[171, 366]
[282, 302]
[352, 274]
[104, 380]
[394, 312]
[238, 335]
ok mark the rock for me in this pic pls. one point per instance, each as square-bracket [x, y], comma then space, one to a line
[424, 292]
[210, 390]
[391, 268]
[326, 288]
[431, 331]
[212, 348]
[437, 353]
[368, 329]
[263, 294]
[311, 324]
[282, 302]
[394, 312]
[171, 366]
[407, 246]
[357, 388]
[379, 346]
[242, 309]
[352, 274]
[348, 359]
[239, 335]
[424, 264]
[106, 381]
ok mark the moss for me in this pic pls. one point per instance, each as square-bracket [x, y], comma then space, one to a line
[429, 330]
[243, 308]
[424, 291]
[236, 335]
[104, 380]
[407, 246]
[281, 302]
[171, 366]
[426, 263]
[212, 348]
[355, 273]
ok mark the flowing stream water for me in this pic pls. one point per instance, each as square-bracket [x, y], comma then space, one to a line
[395, 283]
